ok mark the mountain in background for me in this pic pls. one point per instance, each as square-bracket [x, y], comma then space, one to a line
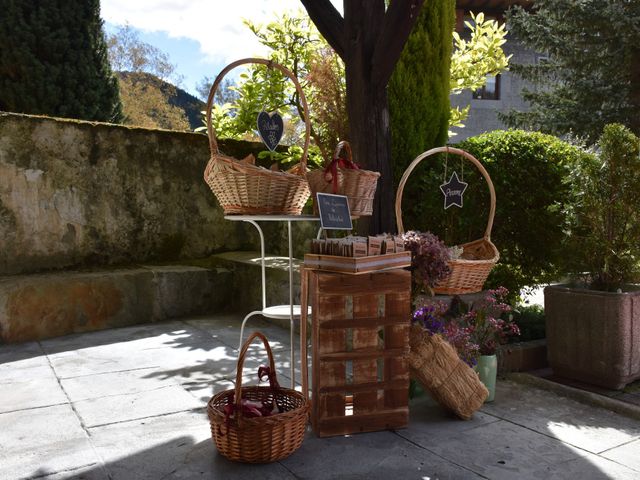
[151, 102]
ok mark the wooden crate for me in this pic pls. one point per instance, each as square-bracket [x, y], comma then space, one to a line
[360, 339]
[357, 264]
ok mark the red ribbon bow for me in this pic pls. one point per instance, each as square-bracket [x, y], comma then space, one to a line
[332, 170]
[265, 373]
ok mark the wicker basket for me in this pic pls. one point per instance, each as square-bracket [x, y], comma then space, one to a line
[246, 189]
[450, 381]
[343, 177]
[258, 439]
[470, 271]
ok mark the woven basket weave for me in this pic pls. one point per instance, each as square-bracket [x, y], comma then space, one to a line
[470, 271]
[246, 189]
[258, 439]
[357, 184]
[450, 381]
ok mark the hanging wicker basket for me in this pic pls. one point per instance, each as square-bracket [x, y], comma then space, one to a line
[470, 271]
[343, 177]
[258, 439]
[450, 381]
[243, 188]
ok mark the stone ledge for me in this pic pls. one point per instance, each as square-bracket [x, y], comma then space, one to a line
[34, 307]
[582, 396]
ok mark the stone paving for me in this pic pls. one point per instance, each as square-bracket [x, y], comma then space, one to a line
[130, 403]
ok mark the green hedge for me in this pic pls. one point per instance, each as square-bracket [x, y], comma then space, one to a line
[530, 172]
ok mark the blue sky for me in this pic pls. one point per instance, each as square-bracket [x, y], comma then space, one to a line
[200, 36]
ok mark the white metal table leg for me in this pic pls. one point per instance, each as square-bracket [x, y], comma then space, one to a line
[291, 318]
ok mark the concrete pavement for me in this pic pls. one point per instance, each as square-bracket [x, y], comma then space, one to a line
[129, 403]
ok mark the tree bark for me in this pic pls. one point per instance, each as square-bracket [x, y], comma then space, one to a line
[369, 39]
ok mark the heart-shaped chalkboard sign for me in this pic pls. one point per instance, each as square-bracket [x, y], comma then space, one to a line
[271, 128]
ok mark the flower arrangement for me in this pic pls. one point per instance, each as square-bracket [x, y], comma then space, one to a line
[487, 324]
[429, 259]
[473, 330]
[433, 318]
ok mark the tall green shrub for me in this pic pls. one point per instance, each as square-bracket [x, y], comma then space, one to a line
[419, 89]
[53, 60]
[531, 175]
[604, 238]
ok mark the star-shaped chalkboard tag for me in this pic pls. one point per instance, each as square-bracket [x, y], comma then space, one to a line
[271, 128]
[453, 191]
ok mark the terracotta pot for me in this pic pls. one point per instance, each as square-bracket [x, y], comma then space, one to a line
[592, 336]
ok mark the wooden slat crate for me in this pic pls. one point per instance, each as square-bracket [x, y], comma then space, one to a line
[360, 339]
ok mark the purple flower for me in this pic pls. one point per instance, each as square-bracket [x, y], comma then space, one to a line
[430, 257]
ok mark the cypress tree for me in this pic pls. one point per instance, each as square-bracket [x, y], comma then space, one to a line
[419, 89]
[53, 60]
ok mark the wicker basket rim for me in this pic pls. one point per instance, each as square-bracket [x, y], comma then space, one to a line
[346, 146]
[464, 261]
[233, 164]
[217, 416]
[455, 151]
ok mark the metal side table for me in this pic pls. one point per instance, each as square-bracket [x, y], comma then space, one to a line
[280, 312]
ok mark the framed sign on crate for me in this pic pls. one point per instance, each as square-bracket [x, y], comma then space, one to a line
[334, 211]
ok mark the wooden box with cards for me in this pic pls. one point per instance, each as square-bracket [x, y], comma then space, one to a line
[358, 254]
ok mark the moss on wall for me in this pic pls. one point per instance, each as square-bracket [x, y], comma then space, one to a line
[76, 194]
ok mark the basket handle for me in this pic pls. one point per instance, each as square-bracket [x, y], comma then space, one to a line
[456, 151]
[243, 354]
[213, 143]
[343, 145]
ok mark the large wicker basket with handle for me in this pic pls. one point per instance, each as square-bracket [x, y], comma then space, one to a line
[343, 177]
[258, 439]
[470, 271]
[243, 188]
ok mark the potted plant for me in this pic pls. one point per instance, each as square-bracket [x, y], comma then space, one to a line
[593, 323]
[490, 324]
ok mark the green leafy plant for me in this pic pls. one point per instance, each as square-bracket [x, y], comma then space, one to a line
[476, 58]
[604, 235]
[531, 322]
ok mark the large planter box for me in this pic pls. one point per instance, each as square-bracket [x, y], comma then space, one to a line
[592, 336]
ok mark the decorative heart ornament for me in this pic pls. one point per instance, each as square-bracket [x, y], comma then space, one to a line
[271, 128]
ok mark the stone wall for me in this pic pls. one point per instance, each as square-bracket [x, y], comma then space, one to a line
[78, 194]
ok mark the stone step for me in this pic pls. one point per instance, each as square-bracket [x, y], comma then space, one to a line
[38, 306]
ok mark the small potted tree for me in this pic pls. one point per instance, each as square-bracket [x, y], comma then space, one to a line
[593, 323]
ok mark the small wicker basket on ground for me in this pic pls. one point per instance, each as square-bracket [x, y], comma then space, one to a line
[243, 188]
[343, 177]
[450, 381]
[470, 271]
[258, 439]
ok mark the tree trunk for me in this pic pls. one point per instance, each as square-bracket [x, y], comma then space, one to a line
[369, 39]
[369, 123]
[368, 108]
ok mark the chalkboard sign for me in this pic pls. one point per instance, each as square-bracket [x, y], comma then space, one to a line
[271, 128]
[334, 212]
